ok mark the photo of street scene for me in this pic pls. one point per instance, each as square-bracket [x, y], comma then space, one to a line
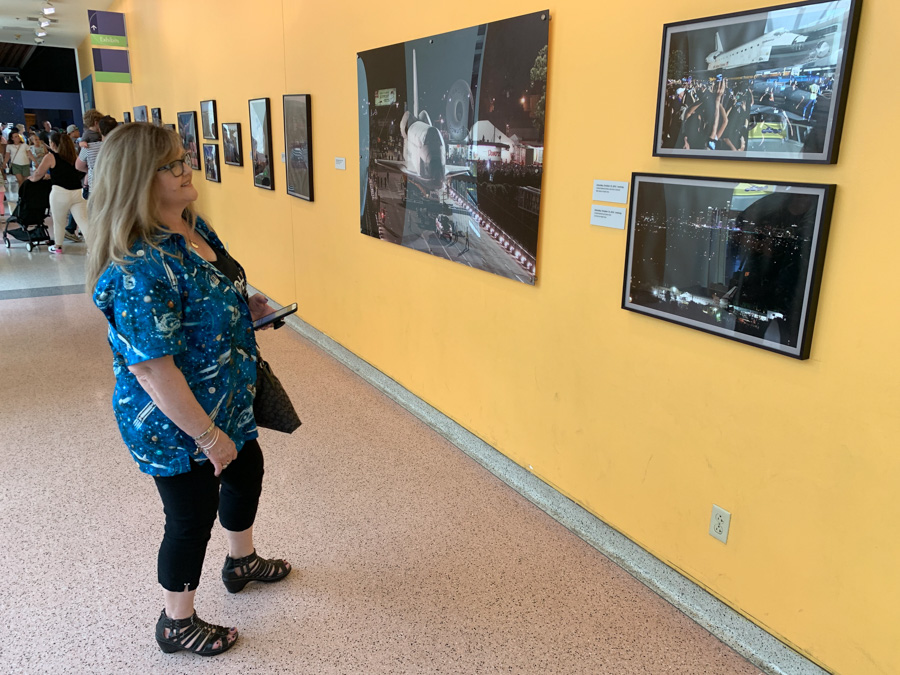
[140, 113]
[298, 145]
[760, 85]
[231, 143]
[261, 143]
[451, 134]
[738, 259]
[211, 160]
[208, 120]
[187, 129]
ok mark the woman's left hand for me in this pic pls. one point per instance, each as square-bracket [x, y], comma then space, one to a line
[259, 307]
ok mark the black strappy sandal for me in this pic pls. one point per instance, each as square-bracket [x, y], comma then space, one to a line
[238, 572]
[194, 635]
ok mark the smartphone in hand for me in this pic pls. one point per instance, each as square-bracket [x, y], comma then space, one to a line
[275, 316]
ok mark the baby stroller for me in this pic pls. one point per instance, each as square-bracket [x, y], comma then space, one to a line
[31, 212]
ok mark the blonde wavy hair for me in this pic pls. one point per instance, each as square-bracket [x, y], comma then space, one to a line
[123, 208]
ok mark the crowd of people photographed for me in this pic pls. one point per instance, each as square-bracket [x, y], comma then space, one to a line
[719, 114]
[63, 158]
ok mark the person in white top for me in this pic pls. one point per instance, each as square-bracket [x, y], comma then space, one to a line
[17, 157]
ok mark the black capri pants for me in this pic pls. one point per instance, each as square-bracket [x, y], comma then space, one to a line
[191, 501]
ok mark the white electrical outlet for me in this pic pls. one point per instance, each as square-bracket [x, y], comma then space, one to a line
[719, 524]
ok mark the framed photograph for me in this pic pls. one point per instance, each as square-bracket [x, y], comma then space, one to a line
[208, 120]
[156, 116]
[170, 126]
[261, 143]
[764, 85]
[126, 117]
[187, 129]
[140, 113]
[211, 158]
[298, 145]
[737, 258]
[231, 143]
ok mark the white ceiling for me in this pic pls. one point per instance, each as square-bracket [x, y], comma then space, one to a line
[70, 30]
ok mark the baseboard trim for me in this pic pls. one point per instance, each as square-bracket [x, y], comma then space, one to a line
[762, 649]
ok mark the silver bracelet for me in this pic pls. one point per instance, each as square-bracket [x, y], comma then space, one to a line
[209, 445]
[205, 433]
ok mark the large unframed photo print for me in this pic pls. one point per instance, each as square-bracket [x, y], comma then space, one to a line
[451, 135]
[768, 84]
[737, 258]
[261, 143]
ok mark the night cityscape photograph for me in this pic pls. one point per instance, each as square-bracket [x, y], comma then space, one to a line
[732, 258]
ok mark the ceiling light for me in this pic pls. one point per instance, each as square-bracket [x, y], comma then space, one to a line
[48, 9]
[39, 41]
[44, 22]
[40, 32]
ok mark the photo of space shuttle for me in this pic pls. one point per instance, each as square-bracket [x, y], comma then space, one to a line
[451, 144]
[424, 151]
[811, 46]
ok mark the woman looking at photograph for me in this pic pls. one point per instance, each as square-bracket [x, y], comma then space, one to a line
[184, 357]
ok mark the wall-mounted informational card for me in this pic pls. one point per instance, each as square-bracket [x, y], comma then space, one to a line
[608, 216]
[610, 191]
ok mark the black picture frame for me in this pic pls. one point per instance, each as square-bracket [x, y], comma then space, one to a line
[298, 145]
[187, 130]
[208, 123]
[737, 258]
[211, 162]
[140, 113]
[231, 144]
[781, 75]
[126, 117]
[156, 116]
[261, 137]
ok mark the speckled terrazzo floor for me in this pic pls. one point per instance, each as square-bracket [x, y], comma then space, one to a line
[409, 557]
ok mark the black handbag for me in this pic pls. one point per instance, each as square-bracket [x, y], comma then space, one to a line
[272, 407]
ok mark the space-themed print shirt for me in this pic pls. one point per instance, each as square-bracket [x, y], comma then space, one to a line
[179, 305]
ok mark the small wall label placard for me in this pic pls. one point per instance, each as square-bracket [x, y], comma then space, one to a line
[610, 191]
[608, 216]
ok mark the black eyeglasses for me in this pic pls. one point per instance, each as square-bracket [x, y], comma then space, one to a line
[177, 167]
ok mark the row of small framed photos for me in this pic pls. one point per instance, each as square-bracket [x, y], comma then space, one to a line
[297, 141]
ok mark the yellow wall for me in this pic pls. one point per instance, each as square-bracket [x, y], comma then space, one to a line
[644, 423]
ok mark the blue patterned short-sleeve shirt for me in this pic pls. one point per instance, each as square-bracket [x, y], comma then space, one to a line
[178, 305]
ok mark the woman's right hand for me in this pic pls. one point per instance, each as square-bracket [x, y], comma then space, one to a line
[222, 453]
